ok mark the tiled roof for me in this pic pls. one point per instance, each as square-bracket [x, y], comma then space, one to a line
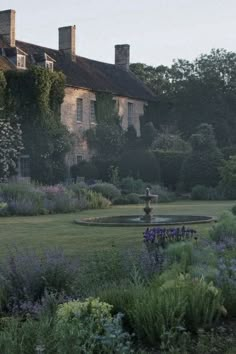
[91, 74]
[5, 64]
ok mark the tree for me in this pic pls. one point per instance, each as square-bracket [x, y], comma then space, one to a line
[228, 177]
[191, 93]
[201, 166]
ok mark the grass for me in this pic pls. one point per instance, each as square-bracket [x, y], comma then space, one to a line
[76, 240]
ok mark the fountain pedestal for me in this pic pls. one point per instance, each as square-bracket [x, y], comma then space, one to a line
[147, 209]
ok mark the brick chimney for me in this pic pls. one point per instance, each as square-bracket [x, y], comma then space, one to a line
[8, 27]
[122, 57]
[67, 41]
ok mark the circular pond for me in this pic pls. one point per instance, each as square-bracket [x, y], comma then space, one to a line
[136, 220]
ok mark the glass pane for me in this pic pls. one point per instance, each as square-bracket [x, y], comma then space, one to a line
[79, 110]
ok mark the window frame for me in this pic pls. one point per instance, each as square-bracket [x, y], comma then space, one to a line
[130, 114]
[49, 65]
[21, 167]
[92, 116]
[22, 57]
[79, 99]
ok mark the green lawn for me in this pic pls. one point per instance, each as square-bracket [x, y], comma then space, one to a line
[60, 231]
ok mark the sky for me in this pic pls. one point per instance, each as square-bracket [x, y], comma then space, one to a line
[158, 31]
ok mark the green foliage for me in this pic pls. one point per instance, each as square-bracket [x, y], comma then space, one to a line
[202, 164]
[35, 96]
[10, 146]
[78, 327]
[108, 190]
[2, 89]
[26, 276]
[234, 210]
[228, 177]
[95, 200]
[28, 199]
[160, 308]
[168, 139]
[89, 327]
[106, 110]
[170, 166]
[164, 195]
[224, 229]
[191, 93]
[148, 134]
[200, 192]
[130, 185]
[144, 165]
[86, 169]
[127, 199]
[107, 139]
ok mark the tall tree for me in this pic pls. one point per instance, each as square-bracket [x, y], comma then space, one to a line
[191, 93]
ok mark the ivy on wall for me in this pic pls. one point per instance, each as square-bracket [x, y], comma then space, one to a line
[35, 96]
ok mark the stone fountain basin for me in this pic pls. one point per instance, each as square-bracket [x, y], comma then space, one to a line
[139, 220]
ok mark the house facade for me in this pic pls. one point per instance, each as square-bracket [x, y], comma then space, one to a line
[84, 78]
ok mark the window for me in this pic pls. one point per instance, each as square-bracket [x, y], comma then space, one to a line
[130, 113]
[21, 61]
[93, 111]
[79, 116]
[24, 166]
[49, 65]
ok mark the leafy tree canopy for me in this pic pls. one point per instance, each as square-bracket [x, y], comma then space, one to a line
[191, 93]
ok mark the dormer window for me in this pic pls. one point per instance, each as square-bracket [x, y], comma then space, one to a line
[21, 61]
[49, 65]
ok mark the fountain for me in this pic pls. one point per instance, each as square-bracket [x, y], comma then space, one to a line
[147, 209]
[147, 219]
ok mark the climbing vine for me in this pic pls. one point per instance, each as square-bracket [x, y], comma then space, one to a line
[35, 96]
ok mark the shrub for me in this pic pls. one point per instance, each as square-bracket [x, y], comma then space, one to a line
[164, 195]
[58, 199]
[22, 199]
[228, 177]
[130, 185]
[145, 166]
[201, 165]
[131, 198]
[25, 277]
[86, 169]
[3, 209]
[224, 232]
[226, 281]
[200, 192]
[170, 166]
[108, 190]
[88, 327]
[234, 210]
[161, 308]
[95, 200]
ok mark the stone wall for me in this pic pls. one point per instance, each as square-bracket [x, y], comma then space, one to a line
[69, 118]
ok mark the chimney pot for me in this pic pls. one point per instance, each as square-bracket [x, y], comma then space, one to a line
[8, 27]
[122, 56]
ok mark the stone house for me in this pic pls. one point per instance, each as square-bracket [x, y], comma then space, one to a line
[84, 77]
